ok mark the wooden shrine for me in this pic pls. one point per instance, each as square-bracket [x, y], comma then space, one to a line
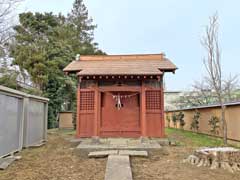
[120, 95]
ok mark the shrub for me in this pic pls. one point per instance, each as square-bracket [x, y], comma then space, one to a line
[174, 120]
[195, 121]
[168, 120]
[214, 124]
[181, 119]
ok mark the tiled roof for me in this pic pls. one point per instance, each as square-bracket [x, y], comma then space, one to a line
[151, 64]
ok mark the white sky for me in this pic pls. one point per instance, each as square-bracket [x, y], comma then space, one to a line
[153, 26]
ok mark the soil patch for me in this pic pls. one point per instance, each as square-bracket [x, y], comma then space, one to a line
[57, 160]
[167, 163]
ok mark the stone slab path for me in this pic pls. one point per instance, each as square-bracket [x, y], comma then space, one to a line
[118, 168]
[118, 164]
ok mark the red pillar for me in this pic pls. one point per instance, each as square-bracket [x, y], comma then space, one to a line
[96, 109]
[162, 109]
[78, 113]
[143, 111]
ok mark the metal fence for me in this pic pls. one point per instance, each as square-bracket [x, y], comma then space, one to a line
[23, 120]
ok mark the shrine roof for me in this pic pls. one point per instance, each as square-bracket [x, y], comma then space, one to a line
[144, 64]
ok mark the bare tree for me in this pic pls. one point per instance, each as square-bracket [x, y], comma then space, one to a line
[230, 85]
[212, 63]
[7, 15]
[7, 8]
[200, 94]
[203, 94]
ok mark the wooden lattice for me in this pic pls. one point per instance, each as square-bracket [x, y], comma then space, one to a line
[153, 100]
[87, 100]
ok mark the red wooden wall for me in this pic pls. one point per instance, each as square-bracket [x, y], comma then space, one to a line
[86, 107]
[123, 122]
[154, 114]
[142, 116]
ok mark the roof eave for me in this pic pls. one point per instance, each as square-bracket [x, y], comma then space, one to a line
[169, 70]
[120, 74]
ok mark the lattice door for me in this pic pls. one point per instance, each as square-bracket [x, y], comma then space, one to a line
[154, 113]
[87, 100]
[153, 100]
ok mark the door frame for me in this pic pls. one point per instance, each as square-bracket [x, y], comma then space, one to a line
[123, 88]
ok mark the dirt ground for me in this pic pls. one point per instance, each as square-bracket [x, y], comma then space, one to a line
[167, 164]
[57, 160]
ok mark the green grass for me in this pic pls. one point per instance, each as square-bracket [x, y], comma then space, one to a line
[193, 139]
[67, 131]
[62, 131]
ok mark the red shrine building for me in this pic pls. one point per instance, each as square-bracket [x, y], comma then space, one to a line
[120, 95]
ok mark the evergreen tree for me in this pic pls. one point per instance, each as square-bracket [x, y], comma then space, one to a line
[44, 45]
[30, 50]
[83, 24]
[80, 19]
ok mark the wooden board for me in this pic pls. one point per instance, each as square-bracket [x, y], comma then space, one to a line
[123, 122]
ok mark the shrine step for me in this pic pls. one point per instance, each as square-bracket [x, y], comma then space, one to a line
[133, 153]
[102, 154]
[99, 154]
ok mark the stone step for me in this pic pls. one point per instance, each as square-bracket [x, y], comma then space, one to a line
[118, 168]
[133, 153]
[99, 154]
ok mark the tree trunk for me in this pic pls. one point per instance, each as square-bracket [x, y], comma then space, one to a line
[221, 157]
[224, 125]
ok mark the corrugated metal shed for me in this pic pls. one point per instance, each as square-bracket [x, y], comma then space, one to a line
[23, 120]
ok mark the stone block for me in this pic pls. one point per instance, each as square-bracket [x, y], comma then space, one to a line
[100, 154]
[134, 153]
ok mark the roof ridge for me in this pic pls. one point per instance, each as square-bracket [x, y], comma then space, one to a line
[126, 54]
